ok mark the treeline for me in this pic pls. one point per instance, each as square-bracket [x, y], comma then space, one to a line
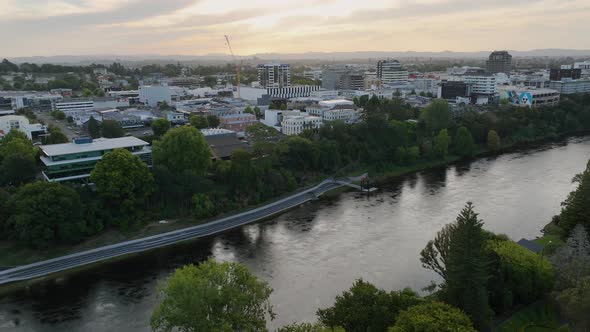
[189, 185]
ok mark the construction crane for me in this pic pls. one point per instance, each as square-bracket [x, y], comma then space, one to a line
[238, 66]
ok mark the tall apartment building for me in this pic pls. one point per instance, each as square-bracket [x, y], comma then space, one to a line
[274, 75]
[499, 62]
[556, 74]
[391, 71]
[342, 78]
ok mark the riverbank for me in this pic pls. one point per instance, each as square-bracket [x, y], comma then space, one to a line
[15, 255]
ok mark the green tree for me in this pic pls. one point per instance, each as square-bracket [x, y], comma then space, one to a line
[202, 206]
[571, 261]
[493, 140]
[59, 115]
[467, 268]
[111, 129]
[464, 144]
[329, 155]
[575, 208]
[307, 327]
[441, 144]
[257, 112]
[436, 116]
[216, 297]
[160, 127]
[93, 127]
[56, 136]
[199, 121]
[182, 149]
[575, 304]
[46, 213]
[17, 159]
[86, 92]
[123, 181]
[366, 308]
[248, 110]
[213, 121]
[432, 316]
[99, 92]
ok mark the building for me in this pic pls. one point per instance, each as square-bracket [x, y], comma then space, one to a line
[342, 78]
[347, 115]
[482, 87]
[499, 62]
[569, 86]
[74, 161]
[585, 65]
[450, 90]
[296, 124]
[237, 122]
[315, 74]
[391, 71]
[557, 74]
[295, 91]
[75, 105]
[36, 101]
[20, 123]
[153, 95]
[527, 96]
[274, 75]
[223, 143]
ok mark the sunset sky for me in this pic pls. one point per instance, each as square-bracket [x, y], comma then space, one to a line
[196, 27]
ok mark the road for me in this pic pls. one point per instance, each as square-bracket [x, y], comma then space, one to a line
[63, 263]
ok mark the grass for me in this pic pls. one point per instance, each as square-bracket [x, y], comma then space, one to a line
[537, 317]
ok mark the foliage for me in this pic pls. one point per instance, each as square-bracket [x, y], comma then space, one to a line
[366, 308]
[467, 268]
[111, 129]
[441, 144]
[575, 304]
[436, 116]
[464, 144]
[575, 208]
[123, 181]
[213, 121]
[17, 159]
[520, 276]
[160, 127]
[93, 127]
[182, 149]
[56, 136]
[432, 316]
[203, 207]
[199, 121]
[539, 316]
[572, 260]
[493, 140]
[216, 297]
[46, 213]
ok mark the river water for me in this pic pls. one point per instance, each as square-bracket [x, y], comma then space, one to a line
[316, 251]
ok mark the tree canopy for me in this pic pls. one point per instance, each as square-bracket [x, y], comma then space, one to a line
[160, 127]
[432, 316]
[182, 149]
[111, 129]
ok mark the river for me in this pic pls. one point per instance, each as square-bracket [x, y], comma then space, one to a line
[314, 252]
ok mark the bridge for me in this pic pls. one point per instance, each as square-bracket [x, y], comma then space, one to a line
[51, 266]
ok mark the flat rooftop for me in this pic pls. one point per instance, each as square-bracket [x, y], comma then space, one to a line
[98, 144]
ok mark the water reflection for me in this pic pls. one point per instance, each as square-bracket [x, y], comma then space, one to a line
[314, 252]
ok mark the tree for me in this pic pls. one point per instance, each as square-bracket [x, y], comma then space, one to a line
[213, 121]
[248, 110]
[59, 115]
[182, 149]
[203, 207]
[575, 208]
[111, 129]
[441, 144]
[56, 136]
[575, 304]
[86, 92]
[257, 112]
[199, 121]
[467, 268]
[493, 140]
[329, 155]
[99, 92]
[17, 159]
[46, 213]
[216, 297]
[366, 308]
[436, 253]
[160, 127]
[123, 181]
[307, 327]
[464, 144]
[433, 316]
[572, 260]
[436, 116]
[93, 127]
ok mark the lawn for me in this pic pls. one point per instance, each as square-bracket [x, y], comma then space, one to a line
[537, 317]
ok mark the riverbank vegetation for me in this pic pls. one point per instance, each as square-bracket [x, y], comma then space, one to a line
[393, 138]
[485, 277]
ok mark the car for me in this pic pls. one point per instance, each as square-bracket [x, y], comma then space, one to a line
[163, 221]
[146, 133]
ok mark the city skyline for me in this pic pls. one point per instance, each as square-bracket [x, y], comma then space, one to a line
[197, 27]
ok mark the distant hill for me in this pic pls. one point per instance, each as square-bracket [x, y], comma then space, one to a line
[223, 58]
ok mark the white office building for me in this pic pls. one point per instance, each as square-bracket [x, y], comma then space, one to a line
[274, 75]
[568, 86]
[295, 91]
[20, 123]
[296, 124]
[585, 65]
[73, 106]
[347, 115]
[391, 71]
[315, 74]
[152, 95]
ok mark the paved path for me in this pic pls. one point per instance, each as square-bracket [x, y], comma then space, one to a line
[54, 265]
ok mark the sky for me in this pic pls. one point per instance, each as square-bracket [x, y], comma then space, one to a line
[197, 27]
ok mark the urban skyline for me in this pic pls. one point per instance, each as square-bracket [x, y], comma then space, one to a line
[80, 27]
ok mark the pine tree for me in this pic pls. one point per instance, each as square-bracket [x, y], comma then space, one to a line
[576, 208]
[467, 269]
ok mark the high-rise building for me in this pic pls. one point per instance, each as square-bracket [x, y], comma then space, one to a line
[343, 78]
[556, 74]
[499, 62]
[274, 75]
[391, 71]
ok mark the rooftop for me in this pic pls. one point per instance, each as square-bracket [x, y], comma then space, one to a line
[98, 144]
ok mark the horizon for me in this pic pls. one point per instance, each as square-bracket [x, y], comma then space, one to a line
[197, 27]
